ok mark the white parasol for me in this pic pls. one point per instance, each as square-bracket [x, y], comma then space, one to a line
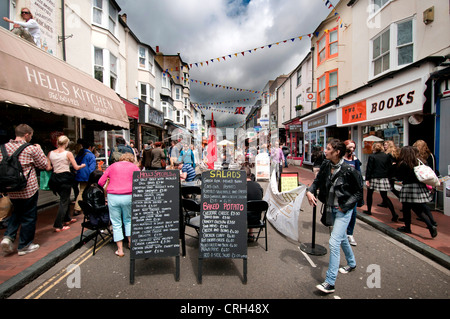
[225, 142]
[372, 138]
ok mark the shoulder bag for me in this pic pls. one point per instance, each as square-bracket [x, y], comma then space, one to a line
[426, 175]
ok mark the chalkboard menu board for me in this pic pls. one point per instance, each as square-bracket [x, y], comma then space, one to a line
[155, 214]
[223, 220]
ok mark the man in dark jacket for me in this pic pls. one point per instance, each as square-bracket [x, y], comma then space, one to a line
[340, 188]
[119, 149]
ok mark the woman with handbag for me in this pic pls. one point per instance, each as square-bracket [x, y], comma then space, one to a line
[158, 157]
[62, 180]
[340, 189]
[414, 194]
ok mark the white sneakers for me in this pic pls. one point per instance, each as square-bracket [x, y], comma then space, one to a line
[351, 240]
[7, 247]
[28, 249]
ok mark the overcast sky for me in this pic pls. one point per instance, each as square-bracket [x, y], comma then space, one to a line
[201, 30]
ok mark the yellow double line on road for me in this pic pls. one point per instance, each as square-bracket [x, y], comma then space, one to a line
[53, 281]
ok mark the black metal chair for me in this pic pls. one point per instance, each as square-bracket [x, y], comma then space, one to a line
[191, 213]
[258, 207]
[190, 210]
[191, 192]
[89, 211]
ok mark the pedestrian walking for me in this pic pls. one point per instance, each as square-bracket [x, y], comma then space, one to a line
[426, 155]
[392, 150]
[157, 155]
[187, 156]
[277, 157]
[286, 152]
[25, 201]
[84, 156]
[340, 189]
[379, 166]
[174, 152]
[62, 180]
[351, 159]
[317, 158]
[414, 194]
[120, 148]
[119, 190]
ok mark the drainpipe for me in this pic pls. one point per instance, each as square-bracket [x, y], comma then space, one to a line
[63, 27]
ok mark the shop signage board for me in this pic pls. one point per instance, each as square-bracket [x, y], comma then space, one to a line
[155, 216]
[223, 218]
[289, 181]
[392, 103]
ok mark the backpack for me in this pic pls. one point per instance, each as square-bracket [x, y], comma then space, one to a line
[12, 178]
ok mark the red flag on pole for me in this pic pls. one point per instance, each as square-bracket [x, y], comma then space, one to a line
[212, 145]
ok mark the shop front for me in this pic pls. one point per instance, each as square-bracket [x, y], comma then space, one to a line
[319, 127]
[150, 124]
[51, 96]
[294, 141]
[390, 109]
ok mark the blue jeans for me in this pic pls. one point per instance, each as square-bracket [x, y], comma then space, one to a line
[351, 225]
[339, 238]
[120, 210]
[24, 216]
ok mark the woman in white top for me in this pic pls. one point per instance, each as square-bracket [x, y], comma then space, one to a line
[30, 25]
[62, 180]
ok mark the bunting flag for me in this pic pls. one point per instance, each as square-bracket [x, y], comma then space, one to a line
[226, 102]
[229, 56]
[224, 86]
[241, 109]
[229, 110]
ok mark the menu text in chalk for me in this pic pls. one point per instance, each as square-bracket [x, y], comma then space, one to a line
[155, 214]
[223, 219]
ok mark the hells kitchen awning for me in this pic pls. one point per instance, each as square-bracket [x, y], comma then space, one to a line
[34, 78]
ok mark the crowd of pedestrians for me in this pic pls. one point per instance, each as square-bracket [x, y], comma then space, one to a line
[338, 182]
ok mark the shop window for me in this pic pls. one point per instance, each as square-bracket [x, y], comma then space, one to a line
[327, 87]
[327, 46]
[313, 139]
[390, 131]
